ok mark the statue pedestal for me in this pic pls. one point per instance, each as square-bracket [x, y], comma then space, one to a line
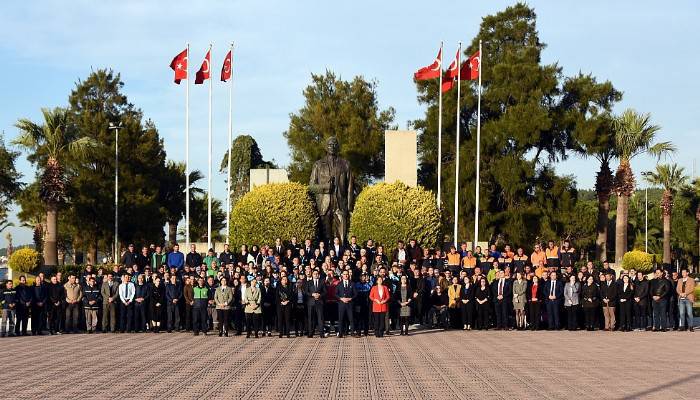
[400, 157]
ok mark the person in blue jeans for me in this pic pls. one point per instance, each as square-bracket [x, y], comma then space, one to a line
[685, 288]
[660, 292]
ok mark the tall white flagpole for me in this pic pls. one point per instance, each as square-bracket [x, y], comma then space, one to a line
[230, 139]
[209, 170]
[187, 151]
[459, 77]
[439, 160]
[478, 154]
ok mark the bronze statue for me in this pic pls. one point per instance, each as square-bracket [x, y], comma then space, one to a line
[332, 183]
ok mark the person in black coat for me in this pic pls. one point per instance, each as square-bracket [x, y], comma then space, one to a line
[299, 307]
[535, 298]
[626, 292]
[141, 293]
[268, 300]
[609, 295]
[315, 291]
[590, 300]
[39, 296]
[56, 295]
[24, 304]
[660, 290]
[641, 301]
[157, 303]
[345, 295]
[439, 303]
[554, 292]
[482, 294]
[467, 298]
[501, 293]
[284, 296]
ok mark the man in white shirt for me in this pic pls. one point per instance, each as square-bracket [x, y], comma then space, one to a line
[127, 290]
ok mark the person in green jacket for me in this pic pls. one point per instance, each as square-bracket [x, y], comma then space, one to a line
[158, 258]
[210, 259]
[199, 308]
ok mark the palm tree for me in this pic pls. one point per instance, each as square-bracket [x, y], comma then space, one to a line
[692, 193]
[672, 179]
[603, 189]
[634, 135]
[172, 194]
[51, 145]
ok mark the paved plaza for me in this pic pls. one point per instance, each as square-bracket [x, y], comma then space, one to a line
[425, 365]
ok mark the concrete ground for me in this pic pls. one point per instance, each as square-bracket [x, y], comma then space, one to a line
[424, 365]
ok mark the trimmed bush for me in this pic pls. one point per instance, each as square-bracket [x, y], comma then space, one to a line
[639, 260]
[24, 260]
[388, 213]
[274, 210]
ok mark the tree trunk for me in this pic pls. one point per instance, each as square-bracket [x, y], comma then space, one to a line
[667, 238]
[602, 228]
[172, 232]
[50, 244]
[92, 253]
[621, 227]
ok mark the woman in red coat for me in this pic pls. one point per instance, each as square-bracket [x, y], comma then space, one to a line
[380, 296]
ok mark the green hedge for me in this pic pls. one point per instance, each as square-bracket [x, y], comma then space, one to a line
[639, 260]
[388, 213]
[24, 260]
[271, 211]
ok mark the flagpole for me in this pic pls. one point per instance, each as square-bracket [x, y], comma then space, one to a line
[459, 77]
[478, 153]
[209, 171]
[439, 160]
[230, 139]
[187, 150]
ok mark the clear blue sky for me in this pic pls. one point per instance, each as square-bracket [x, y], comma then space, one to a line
[648, 49]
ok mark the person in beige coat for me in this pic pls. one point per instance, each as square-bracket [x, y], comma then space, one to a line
[686, 296]
[223, 297]
[74, 295]
[253, 312]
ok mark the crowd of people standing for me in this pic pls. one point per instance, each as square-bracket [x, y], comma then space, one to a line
[292, 288]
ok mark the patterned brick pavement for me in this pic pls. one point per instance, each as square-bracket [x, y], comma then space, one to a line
[425, 365]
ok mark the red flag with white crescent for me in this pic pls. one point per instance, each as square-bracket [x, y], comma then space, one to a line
[226, 69]
[431, 71]
[470, 68]
[179, 65]
[204, 71]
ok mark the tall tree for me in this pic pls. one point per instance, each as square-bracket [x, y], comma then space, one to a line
[588, 119]
[49, 144]
[348, 110]
[96, 102]
[634, 135]
[521, 133]
[692, 193]
[32, 213]
[172, 195]
[10, 186]
[245, 155]
[672, 179]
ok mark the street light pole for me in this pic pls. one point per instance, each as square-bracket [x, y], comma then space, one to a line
[116, 188]
[646, 220]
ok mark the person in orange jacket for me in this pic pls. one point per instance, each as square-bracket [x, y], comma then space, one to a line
[380, 297]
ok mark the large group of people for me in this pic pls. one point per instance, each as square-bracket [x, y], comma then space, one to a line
[293, 288]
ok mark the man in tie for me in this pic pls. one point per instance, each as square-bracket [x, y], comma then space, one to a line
[555, 293]
[315, 293]
[501, 291]
[345, 293]
[608, 292]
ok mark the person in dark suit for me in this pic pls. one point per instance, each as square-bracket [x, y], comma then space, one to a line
[626, 292]
[269, 311]
[641, 301]
[315, 293]
[554, 290]
[345, 294]
[535, 298]
[608, 293]
[501, 293]
[284, 294]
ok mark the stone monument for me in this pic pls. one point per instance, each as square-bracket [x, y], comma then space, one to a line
[331, 183]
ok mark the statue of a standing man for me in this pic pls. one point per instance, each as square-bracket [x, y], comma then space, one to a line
[332, 183]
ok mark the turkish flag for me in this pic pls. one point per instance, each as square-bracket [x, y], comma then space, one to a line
[226, 69]
[452, 69]
[431, 71]
[179, 65]
[470, 68]
[447, 85]
[204, 71]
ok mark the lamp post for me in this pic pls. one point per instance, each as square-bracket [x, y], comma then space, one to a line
[646, 214]
[116, 188]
